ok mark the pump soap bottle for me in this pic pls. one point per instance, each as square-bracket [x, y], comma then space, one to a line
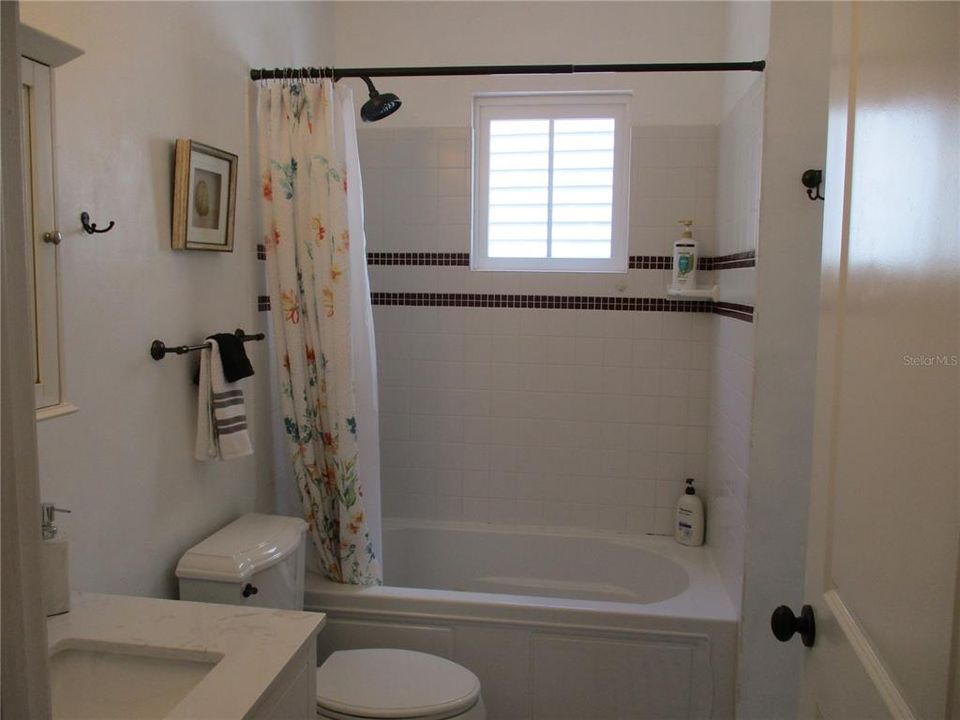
[54, 570]
[689, 527]
[685, 258]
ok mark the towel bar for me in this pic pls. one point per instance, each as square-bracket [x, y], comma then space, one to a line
[158, 348]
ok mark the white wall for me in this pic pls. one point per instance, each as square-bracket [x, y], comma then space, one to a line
[491, 33]
[788, 295]
[153, 72]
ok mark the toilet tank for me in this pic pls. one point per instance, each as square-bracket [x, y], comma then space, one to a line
[256, 560]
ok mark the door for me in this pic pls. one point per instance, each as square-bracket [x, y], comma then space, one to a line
[882, 556]
[36, 112]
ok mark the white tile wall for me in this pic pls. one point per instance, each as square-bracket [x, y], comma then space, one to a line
[542, 417]
[731, 347]
[674, 177]
[730, 409]
[738, 196]
[417, 187]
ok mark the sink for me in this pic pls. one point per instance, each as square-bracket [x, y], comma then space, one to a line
[117, 683]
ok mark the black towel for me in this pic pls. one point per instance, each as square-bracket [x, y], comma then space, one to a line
[236, 364]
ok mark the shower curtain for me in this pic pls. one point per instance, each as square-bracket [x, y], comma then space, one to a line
[321, 319]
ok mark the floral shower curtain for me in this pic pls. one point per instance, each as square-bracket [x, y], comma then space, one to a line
[321, 317]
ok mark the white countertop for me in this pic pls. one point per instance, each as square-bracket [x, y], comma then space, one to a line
[256, 644]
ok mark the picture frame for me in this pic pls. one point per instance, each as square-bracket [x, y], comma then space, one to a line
[204, 197]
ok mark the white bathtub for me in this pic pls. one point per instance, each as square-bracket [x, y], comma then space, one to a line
[556, 625]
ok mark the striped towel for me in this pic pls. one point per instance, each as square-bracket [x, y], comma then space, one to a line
[221, 414]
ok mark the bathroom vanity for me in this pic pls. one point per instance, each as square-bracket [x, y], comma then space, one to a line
[114, 656]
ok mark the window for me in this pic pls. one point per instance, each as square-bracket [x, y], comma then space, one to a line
[42, 246]
[551, 182]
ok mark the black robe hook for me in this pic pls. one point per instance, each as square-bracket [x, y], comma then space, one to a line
[92, 228]
[813, 181]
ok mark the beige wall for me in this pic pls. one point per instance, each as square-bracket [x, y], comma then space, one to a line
[747, 37]
[153, 72]
[490, 33]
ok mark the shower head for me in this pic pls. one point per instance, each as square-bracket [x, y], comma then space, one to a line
[379, 105]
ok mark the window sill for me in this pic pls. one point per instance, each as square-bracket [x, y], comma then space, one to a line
[54, 411]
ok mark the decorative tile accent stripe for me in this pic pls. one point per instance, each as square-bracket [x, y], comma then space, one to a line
[747, 258]
[550, 302]
[650, 262]
[547, 302]
[734, 310]
[448, 259]
[636, 262]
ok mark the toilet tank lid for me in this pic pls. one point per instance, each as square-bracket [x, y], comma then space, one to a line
[249, 544]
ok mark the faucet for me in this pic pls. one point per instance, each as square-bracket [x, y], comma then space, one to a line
[47, 528]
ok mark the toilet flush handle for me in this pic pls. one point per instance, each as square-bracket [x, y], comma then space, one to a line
[249, 590]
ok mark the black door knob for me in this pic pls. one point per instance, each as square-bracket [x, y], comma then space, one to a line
[785, 624]
[249, 590]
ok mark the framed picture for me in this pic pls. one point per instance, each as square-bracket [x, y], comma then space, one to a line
[204, 197]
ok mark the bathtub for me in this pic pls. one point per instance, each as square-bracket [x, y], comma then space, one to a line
[556, 624]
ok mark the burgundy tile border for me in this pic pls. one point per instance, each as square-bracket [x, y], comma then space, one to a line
[548, 302]
[734, 310]
[747, 258]
[636, 262]
[650, 262]
[449, 259]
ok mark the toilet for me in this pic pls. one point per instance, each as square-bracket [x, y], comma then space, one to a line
[258, 560]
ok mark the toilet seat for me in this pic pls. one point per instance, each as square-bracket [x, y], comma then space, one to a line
[389, 683]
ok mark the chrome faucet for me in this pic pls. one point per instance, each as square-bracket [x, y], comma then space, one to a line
[47, 528]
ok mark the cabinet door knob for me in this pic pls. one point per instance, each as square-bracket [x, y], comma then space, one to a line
[53, 237]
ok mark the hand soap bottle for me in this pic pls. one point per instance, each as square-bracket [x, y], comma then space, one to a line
[689, 524]
[685, 258]
[54, 570]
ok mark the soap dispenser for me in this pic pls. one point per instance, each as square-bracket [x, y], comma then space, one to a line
[54, 570]
[685, 257]
[689, 524]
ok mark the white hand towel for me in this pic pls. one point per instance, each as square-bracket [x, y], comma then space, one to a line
[221, 413]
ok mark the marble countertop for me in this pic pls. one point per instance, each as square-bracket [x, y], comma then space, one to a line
[256, 644]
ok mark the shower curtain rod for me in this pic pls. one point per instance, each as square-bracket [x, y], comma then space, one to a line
[455, 70]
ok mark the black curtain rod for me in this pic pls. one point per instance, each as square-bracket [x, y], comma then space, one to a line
[454, 70]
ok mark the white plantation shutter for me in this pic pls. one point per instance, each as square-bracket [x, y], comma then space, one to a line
[582, 188]
[551, 182]
[519, 181]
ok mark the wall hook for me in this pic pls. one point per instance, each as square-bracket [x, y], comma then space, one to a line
[813, 181]
[92, 227]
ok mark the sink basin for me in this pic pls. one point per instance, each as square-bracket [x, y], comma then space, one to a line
[121, 683]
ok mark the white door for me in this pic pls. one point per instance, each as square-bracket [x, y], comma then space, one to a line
[36, 112]
[882, 557]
